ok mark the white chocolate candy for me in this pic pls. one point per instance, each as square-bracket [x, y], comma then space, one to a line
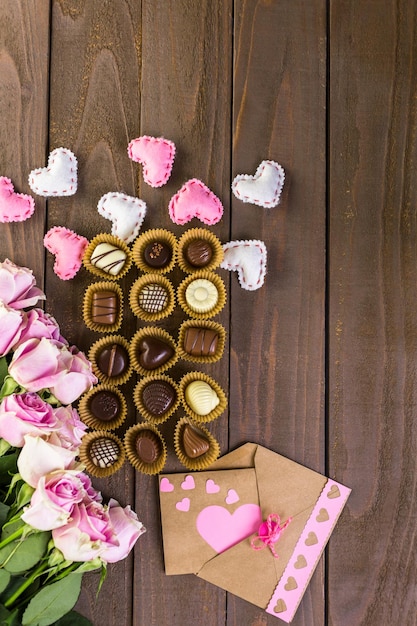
[201, 295]
[104, 452]
[201, 398]
[108, 258]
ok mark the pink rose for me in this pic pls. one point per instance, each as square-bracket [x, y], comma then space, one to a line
[128, 529]
[38, 458]
[17, 286]
[37, 324]
[87, 534]
[25, 414]
[54, 499]
[70, 429]
[11, 328]
[48, 364]
[92, 494]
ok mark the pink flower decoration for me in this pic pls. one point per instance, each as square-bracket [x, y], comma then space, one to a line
[25, 414]
[17, 286]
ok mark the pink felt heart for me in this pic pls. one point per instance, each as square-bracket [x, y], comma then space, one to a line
[194, 199]
[248, 258]
[125, 212]
[157, 157]
[232, 497]
[183, 505]
[211, 486]
[68, 248]
[188, 483]
[59, 178]
[264, 188]
[166, 486]
[14, 207]
[222, 530]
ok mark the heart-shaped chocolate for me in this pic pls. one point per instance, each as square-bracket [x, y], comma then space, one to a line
[154, 352]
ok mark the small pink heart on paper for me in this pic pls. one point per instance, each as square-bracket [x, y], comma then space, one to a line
[211, 486]
[222, 530]
[188, 483]
[232, 497]
[126, 214]
[194, 199]
[68, 248]
[157, 157]
[183, 505]
[59, 178]
[14, 207]
[166, 486]
[264, 188]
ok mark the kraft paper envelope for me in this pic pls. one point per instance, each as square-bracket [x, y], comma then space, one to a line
[210, 518]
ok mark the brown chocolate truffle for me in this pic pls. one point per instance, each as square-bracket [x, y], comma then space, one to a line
[104, 405]
[158, 397]
[153, 298]
[148, 446]
[194, 442]
[113, 360]
[157, 254]
[198, 253]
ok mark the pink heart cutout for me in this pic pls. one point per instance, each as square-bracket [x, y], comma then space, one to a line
[222, 530]
[211, 486]
[68, 248]
[14, 207]
[166, 486]
[188, 483]
[194, 199]
[232, 497]
[157, 156]
[183, 505]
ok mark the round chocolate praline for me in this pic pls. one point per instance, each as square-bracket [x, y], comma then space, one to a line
[105, 406]
[158, 397]
[157, 254]
[148, 446]
[112, 360]
[198, 253]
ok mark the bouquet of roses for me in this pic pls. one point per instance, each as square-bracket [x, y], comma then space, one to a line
[54, 525]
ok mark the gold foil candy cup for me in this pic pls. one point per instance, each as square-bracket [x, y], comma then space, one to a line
[153, 436]
[202, 397]
[102, 453]
[189, 433]
[104, 400]
[197, 244]
[156, 398]
[107, 356]
[201, 341]
[152, 297]
[103, 307]
[154, 238]
[147, 351]
[111, 253]
[196, 296]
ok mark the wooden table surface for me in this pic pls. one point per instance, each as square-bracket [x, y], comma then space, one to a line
[321, 363]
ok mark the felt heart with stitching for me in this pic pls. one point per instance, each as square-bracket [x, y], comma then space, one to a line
[194, 199]
[68, 248]
[59, 178]
[264, 188]
[125, 212]
[248, 258]
[14, 207]
[157, 157]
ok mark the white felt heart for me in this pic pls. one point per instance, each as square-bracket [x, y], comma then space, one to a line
[248, 258]
[125, 212]
[59, 178]
[264, 188]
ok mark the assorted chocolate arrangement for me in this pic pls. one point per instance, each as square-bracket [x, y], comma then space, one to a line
[152, 350]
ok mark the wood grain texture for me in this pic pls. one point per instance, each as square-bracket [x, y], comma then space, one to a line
[277, 333]
[372, 321]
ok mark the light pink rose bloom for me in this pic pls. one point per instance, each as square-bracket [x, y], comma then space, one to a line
[91, 493]
[11, 328]
[128, 529]
[70, 429]
[38, 458]
[54, 499]
[87, 533]
[17, 286]
[48, 364]
[25, 414]
[38, 324]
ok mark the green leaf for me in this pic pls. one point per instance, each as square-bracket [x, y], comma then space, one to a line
[8, 467]
[73, 619]
[4, 579]
[20, 556]
[53, 601]
[4, 511]
[8, 618]
[4, 369]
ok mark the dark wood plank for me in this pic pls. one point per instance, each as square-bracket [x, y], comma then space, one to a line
[186, 95]
[277, 336]
[94, 111]
[372, 392]
[24, 58]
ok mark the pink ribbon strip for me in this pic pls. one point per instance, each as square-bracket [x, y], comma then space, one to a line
[269, 533]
